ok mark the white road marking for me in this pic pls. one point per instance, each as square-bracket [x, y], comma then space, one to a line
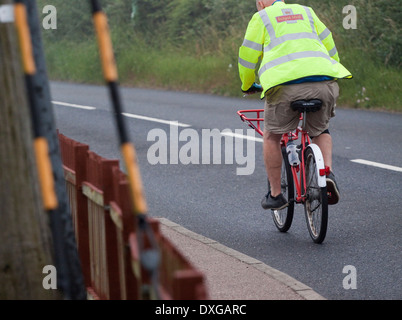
[130, 115]
[235, 135]
[170, 122]
[73, 105]
[377, 164]
[241, 136]
[361, 161]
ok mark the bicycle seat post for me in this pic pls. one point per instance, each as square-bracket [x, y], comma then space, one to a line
[304, 120]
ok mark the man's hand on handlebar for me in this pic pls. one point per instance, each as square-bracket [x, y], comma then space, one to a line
[253, 89]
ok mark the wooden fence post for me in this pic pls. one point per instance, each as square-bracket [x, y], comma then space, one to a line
[107, 233]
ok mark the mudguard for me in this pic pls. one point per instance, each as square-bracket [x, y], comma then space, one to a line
[322, 181]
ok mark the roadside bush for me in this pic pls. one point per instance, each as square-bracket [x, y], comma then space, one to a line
[154, 39]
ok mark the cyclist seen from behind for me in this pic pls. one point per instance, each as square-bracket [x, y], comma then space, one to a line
[299, 61]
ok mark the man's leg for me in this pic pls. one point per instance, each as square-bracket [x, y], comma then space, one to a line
[324, 141]
[273, 163]
[273, 160]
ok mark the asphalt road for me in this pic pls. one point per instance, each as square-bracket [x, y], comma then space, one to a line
[361, 257]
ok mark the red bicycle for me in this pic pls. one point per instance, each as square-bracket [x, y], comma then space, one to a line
[303, 174]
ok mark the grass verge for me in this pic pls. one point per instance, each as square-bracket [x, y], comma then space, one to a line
[195, 69]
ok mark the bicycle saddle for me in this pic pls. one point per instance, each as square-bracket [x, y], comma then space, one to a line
[306, 105]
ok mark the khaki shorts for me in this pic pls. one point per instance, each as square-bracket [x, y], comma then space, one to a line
[279, 117]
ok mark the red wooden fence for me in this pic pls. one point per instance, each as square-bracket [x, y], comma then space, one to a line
[107, 234]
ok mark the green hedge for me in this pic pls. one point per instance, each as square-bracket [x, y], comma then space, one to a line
[193, 44]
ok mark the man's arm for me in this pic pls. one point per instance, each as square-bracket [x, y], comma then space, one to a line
[250, 51]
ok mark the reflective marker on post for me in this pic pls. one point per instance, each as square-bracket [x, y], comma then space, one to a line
[105, 45]
[24, 38]
[45, 173]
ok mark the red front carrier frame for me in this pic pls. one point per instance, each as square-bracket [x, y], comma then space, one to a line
[250, 121]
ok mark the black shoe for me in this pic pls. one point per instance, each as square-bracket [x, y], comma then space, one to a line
[332, 189]
[274, 203]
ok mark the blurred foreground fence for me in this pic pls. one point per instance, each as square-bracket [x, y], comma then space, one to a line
[105, 231]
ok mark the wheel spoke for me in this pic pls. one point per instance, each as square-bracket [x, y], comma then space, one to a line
[316, 207]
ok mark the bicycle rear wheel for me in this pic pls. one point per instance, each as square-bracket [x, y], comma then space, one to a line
[283, 218]
[316, 204]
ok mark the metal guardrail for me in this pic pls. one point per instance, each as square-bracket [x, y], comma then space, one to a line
[106, 234]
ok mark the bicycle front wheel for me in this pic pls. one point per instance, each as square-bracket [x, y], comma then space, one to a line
[283, 218]
[316, 204]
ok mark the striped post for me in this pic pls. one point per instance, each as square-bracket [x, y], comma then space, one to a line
[149, 257]
[41, 149]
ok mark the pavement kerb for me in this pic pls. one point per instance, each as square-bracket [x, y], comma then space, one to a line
[298, 287]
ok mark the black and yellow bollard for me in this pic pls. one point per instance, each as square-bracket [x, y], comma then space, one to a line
[149, 257]
[41, 149]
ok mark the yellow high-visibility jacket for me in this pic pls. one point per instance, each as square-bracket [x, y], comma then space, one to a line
[292, 43]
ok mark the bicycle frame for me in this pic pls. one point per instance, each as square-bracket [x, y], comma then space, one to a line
[312, 193]
[298, 172]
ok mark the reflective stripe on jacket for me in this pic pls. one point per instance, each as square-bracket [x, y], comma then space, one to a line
[292, 42]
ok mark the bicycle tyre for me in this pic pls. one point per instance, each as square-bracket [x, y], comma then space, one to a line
[283, 218]
[316, 204]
